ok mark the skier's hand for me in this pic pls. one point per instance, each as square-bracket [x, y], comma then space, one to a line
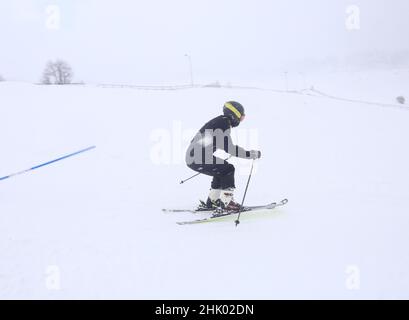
[255, 154]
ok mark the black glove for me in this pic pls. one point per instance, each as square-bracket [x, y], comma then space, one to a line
[255, 154]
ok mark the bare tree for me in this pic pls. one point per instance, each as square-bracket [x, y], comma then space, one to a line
[57, 72]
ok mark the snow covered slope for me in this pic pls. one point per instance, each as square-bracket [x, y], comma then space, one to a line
[92, 226]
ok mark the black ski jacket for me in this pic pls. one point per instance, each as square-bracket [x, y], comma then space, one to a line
[214, 135]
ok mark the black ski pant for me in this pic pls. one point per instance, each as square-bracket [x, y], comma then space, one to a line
[222, 173]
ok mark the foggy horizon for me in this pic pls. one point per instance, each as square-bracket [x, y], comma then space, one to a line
[146, 41]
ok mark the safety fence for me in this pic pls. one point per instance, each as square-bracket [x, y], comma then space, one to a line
[311, 92]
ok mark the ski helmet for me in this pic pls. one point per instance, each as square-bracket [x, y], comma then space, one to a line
[234, 111]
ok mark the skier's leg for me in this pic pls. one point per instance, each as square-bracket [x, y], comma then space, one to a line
[227, 180]
[227, 183]
[224, 175]
[214, 193]
[216, 182]
[223, 184]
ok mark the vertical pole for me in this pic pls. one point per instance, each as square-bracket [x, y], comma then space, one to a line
[245, 193]
[191, 70]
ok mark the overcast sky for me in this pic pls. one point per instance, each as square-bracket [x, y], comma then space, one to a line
[145, 41]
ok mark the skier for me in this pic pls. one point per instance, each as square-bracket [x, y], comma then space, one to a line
[215, 135]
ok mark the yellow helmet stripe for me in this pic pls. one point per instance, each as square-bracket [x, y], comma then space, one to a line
[229, 106]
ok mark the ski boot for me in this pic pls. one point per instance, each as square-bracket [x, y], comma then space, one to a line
[211, 202]
[226, 201]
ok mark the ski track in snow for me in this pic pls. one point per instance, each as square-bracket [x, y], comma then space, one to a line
[97, 218]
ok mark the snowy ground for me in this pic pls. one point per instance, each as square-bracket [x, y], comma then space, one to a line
[92, 226]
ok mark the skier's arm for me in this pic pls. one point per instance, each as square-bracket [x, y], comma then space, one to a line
[234, 150]
[225, 142]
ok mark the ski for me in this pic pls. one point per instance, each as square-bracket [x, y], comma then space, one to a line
[221, 216]
[184, 210]
[195, 211]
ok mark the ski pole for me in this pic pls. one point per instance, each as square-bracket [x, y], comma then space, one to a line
[197, 174]
[46, 163]
[183, 181]
[245, 193]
